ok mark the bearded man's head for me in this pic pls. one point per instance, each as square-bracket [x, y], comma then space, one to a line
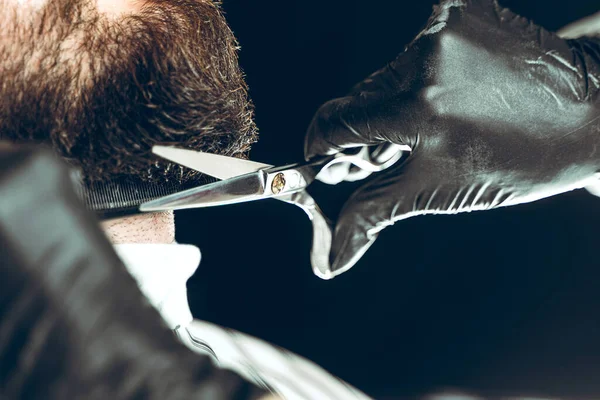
[101, 81]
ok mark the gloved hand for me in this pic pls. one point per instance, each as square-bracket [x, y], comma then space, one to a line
[497, 112]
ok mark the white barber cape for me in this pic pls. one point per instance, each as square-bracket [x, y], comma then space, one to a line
[162, 270]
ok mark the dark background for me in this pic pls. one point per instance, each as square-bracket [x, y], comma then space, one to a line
[505, 300]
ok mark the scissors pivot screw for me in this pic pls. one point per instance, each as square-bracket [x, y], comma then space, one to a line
[278, 183]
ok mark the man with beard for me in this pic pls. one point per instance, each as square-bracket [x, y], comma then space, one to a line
[101, 82]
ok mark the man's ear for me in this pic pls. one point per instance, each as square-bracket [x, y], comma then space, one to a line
[588, 26]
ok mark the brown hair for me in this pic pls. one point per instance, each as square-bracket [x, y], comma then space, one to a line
[168, 74]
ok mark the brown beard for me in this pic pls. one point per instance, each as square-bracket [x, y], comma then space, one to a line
[101, 92]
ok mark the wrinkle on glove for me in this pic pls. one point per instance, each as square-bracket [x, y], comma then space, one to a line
[74, 324]
[497, 112]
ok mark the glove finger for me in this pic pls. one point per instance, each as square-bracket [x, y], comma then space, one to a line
[332, 130]
[362, 120]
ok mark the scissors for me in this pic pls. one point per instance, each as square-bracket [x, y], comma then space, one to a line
[244, 180]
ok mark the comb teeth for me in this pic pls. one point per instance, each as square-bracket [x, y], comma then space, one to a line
[123, 196]
[113, 195]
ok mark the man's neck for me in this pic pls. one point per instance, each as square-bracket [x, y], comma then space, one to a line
[142, 228]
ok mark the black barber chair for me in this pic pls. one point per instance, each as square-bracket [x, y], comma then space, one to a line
[73, 323]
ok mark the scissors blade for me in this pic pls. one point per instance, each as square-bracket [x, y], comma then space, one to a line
[238, 189]
[217, 166]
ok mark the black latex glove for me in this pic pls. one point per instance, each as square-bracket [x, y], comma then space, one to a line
[497, 112]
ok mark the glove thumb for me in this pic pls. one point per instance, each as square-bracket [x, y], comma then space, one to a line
[414, 188]
[389, 197]
[594, 188]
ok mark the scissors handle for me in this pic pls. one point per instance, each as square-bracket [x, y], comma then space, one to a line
[322, 233]
[353, 167]
[367, 160]
[370, 159]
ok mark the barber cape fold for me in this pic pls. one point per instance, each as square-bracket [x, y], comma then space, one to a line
[162, 270]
